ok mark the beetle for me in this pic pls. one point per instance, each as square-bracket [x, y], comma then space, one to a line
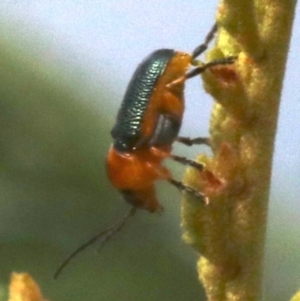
[147, 125]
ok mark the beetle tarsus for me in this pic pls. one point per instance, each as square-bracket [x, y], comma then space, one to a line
[201, 48]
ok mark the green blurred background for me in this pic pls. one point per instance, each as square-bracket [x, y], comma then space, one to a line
[56, 113]
[55, 194]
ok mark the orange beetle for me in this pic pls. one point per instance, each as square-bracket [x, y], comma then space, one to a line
[147, 125]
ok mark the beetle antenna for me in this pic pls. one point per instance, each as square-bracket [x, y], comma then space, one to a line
[106, 234]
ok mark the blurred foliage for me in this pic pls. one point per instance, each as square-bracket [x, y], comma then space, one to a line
[23, 288]
[55, 194]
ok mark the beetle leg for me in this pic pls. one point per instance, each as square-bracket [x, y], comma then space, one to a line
[200, 69]
[191, 141]
[186, 161]
[190, 190]
[201, 48]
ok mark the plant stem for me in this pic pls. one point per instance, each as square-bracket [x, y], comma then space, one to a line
[229, 232]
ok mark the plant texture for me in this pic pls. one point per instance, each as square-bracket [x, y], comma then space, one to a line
[229, 232]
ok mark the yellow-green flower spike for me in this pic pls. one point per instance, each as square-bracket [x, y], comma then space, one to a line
[229, 232]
